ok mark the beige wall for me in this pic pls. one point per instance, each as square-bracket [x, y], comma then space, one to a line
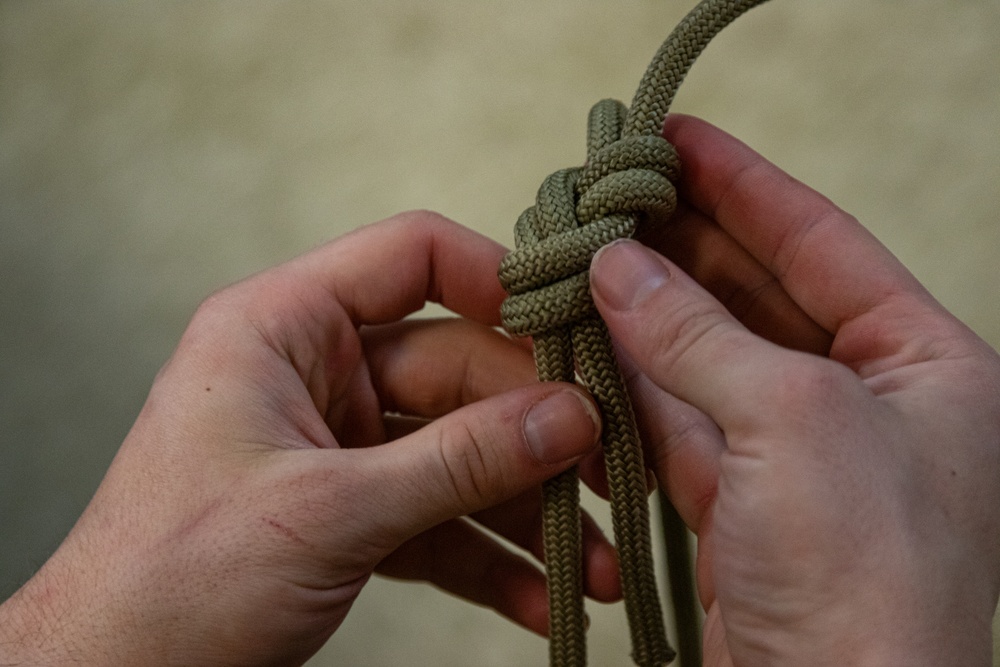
[153, 151]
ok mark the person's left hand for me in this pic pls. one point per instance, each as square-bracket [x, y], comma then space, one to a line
[254, 496]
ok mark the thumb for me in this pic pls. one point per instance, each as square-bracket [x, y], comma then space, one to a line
[680, 336]
[482, 454]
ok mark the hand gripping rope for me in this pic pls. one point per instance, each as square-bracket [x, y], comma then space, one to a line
[630, 170]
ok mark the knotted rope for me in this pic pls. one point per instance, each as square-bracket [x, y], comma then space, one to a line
[630, 171]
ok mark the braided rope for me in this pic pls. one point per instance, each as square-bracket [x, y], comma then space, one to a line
[630, 171]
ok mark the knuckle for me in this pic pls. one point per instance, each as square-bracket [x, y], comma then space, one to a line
[213, 306]
[743, 301]
[423, 222]
[469, 472]
[210, 319]
[810, 381]
[687, 332]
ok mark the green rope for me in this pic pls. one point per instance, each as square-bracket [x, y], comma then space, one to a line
[683, 597]
[630, 170]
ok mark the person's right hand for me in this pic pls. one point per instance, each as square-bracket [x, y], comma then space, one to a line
[827, 428]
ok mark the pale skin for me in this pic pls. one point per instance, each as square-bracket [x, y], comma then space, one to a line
[827, 429]
[254, 497]
[830, 432]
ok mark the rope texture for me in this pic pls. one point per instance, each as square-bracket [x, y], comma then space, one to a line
[630, 171]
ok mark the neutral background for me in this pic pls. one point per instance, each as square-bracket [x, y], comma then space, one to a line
[151, 152]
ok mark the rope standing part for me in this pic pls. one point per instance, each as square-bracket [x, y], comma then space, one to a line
[630, 171]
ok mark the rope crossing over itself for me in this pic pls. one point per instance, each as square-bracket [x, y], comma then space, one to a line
[630, 170]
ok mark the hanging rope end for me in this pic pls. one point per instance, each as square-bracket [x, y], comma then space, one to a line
[661, 657]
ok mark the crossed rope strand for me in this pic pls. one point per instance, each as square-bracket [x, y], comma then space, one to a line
[630, 171]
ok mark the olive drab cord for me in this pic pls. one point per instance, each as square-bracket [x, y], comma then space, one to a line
[630, 170]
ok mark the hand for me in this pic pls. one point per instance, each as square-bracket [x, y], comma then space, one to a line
[830, 432]
[253, 498]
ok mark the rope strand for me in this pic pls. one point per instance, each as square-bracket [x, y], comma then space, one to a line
[630, 170]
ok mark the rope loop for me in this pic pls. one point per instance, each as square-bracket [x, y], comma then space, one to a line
[629, 172]
[647, 161]
[578, 211]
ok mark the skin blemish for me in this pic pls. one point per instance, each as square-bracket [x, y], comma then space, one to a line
[285, 530]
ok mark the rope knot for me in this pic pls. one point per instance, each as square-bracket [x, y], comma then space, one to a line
[577, 211]
[629, 172]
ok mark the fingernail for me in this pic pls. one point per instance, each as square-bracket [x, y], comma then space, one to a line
[625, 273]
[562, 426]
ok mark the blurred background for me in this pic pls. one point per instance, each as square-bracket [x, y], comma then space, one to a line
[152, 152]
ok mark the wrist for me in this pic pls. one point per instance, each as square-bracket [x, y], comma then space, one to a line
[62, 617]
[34, 624]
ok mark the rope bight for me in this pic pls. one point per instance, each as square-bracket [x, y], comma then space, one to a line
[630, 171]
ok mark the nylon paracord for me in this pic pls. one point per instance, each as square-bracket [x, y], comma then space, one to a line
[630, 171]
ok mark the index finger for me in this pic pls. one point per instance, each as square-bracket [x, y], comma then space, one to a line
[830, 265]
[309, 309]
[382, 272]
